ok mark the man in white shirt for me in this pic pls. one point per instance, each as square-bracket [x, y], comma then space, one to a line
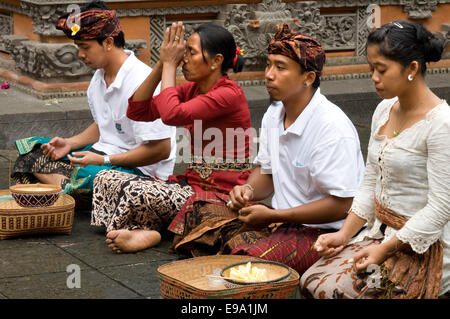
[112, 141]
[309, 158]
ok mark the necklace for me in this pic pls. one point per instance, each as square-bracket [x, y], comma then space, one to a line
[399, 127]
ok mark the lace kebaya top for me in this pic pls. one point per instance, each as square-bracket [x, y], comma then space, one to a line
[410, 174]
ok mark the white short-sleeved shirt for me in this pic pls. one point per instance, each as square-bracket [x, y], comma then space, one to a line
[317, 156]
[118, 133]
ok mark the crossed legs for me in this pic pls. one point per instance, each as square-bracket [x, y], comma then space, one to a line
[135, 209]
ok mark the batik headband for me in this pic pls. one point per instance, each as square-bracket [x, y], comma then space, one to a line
[307, 51]
[92, 24]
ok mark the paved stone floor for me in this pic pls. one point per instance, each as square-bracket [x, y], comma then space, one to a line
[37, 266]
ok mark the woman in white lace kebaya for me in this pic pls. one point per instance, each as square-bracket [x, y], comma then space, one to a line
[404, 252]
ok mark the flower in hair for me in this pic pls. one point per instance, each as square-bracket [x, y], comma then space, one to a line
[239, 51]
[75, 28]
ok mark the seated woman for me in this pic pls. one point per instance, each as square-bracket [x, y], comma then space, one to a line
[405, 197]
[136, 209]
[309, 157]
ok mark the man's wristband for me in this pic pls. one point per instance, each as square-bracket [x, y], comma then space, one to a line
[106, 160]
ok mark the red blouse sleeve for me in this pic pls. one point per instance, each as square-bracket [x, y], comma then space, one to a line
[214, 104]
[142, 111]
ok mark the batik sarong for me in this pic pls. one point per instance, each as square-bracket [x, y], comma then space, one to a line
[403, 275]
[206, 226]
[127, 201]
[290, 244]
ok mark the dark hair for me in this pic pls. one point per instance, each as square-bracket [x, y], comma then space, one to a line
[215, 39]
[119, 40]
[316, 82]
[405, 42]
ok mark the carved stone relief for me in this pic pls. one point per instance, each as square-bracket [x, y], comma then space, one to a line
[8, 42]
[44, 17]
[444, 34]
[419, 9]
[334, 31]
[52, 60]
[45, 12]
[48, 60]
[6, 24]
[252, 25]
[363, 30]
[157, 27]
[134, 45]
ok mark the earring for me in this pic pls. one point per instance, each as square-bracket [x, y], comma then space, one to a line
[410, 78]
[213, 68]
[305, 84]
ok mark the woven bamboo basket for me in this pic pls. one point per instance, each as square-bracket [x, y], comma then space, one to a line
[187, 279]
[16, 220]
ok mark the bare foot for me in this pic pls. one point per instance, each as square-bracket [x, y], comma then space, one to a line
[127, 241]
[54, 179]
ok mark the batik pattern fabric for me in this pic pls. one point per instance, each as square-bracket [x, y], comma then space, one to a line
[290, 244]
[128, 201]
[416, 276]
[206, 226]
[307, 51]
[336, 278]
[31, 160]
[403, 275]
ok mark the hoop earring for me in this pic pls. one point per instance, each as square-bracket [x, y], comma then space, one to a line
[410, 78]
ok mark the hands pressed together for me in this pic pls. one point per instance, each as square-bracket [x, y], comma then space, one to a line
[173, 47]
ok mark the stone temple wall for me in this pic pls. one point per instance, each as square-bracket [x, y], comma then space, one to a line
[32, 50]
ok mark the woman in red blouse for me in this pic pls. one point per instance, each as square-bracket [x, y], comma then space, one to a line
[214, 112]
